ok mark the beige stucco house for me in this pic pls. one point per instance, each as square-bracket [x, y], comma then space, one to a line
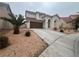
[42, 20]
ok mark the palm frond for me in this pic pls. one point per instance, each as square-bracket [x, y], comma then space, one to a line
[7, 19]
[23, 22]
[15, 21]
[20, 20]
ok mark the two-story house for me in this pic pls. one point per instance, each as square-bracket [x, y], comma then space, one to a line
[42, 20]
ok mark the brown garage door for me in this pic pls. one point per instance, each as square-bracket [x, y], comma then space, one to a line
[36, 25]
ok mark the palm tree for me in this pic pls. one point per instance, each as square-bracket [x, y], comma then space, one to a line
[16, 21]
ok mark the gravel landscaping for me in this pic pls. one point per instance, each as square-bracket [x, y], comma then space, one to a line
[22, 46]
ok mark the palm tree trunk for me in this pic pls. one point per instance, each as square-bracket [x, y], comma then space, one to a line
[16, 30]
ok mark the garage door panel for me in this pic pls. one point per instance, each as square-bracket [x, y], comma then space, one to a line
[36, 25]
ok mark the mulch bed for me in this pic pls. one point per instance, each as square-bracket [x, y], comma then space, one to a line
[22, 46]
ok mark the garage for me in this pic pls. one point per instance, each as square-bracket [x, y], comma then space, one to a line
[36, 25]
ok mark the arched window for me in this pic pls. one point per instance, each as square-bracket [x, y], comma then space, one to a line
[49, 23]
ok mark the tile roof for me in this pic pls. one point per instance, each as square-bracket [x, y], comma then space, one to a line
[74, 15]
[66, 19]
[33, 19]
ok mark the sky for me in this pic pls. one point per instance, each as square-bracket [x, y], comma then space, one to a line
[51, 8]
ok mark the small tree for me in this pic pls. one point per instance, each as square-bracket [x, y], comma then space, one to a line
[16, 21]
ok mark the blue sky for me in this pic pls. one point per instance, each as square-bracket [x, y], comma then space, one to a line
[60, 8]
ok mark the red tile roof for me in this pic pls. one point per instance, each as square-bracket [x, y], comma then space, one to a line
[74, 15]
[66, 19]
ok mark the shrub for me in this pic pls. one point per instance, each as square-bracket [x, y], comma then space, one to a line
[4, 42]
[27, 33]
[61, 31]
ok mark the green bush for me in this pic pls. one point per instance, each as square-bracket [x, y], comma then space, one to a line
[4, 42]
[27, 33]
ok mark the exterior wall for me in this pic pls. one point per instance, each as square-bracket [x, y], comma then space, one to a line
[37, 16]
[1, 21]
[63, 22]
[71, 25]
[4, 10]
[55, 24]
[46, 22]
[28, 24]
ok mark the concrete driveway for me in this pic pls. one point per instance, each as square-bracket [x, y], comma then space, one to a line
[60, 45]
[48, 35]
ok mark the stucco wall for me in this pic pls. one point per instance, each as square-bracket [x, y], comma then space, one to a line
[57, 23]
[4, 10]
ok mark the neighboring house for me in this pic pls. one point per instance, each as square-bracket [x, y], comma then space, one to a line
[4, 10]
[67, 22]
[74, 19]
[42, 20]
[74, 16]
